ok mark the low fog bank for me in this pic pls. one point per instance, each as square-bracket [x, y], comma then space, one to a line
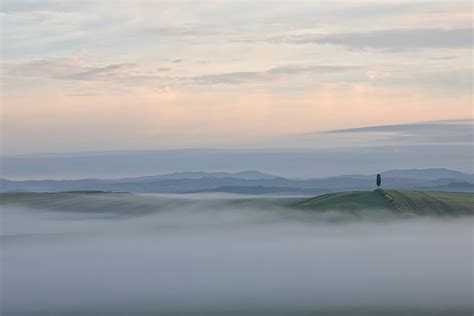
[234, 260]
[106, 213]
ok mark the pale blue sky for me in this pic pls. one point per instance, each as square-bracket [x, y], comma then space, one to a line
[135, 75]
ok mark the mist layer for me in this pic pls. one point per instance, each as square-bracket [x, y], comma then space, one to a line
[198, 259]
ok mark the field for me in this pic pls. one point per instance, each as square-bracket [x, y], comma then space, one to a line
[107, 204]
[398, 201]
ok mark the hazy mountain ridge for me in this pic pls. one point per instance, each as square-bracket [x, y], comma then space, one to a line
[255, 182]
[245, 175]
[428, 174]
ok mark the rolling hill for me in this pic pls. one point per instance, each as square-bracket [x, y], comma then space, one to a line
[105, 204]
[399, 201]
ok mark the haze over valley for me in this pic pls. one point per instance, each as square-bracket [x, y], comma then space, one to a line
[122, 254]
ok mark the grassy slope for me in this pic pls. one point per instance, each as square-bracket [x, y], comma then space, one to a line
[434, 203]
[352, 201]
[420, 203]
[125, 204]
[94, 203]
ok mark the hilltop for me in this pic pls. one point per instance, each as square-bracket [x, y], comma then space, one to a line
[400, 201]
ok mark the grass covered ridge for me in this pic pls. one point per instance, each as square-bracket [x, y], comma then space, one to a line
[127, 204]
[419, 203]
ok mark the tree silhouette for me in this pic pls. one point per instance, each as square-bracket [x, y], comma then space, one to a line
[379, 180]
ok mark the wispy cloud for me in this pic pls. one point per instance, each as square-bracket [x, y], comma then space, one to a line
[183, 31]
[462, 123]
[99, 73]
[12, 6]
[181, 74]
[449, 132]
[392, 39]
[270, 75]
[69, 69]
[74, 69]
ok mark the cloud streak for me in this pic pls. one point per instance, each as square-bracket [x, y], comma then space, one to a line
[72, 69]
[436, 132]
[270, 75]
[68, 69]
[391, 39]
[462, 124]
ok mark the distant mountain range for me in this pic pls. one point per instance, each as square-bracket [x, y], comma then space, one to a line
[255, 182]
[422, 174]
[245, 175]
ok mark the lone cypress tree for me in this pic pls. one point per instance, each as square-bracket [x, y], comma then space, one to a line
[379, 180]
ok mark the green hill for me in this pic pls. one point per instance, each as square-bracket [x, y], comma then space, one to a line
[400, 201]
[106, 204]
[94, 203]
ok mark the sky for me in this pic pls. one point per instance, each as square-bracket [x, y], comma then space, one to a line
[134, 75]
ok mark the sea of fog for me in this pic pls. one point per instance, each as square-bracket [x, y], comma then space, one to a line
[207, 260]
